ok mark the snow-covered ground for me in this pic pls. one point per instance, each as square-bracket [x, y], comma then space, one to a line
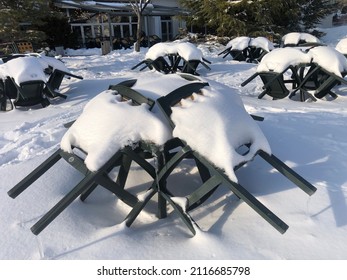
[311, 137]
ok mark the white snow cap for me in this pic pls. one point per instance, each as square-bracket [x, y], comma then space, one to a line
[280, 59]
[262, 42]
[186, 50]
[242, 42]
[329, 58]
[239, 43]
[293, 38]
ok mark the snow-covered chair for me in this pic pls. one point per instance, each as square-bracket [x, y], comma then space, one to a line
[94, 160]
[297, 39]
[54, 81]
[273, 72]
[327, 69]
[237, 48]
[247, 49]
[159, 64]
[25, 80]
[258, 48]
[181, 109]
[174, 57]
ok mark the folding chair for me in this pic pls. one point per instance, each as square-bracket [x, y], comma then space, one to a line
[238, 55]
[54, 82]
[275, 84]
[191, 66]
[91, 179]
[225, 52]
[159, 64]
[26, 94]
[211, 176]
[255, 54]
[320, 82]
[238, 48]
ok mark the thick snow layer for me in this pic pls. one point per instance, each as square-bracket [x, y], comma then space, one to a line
[216, 124]
[329, 58]
[294, 38]
[186, 50]
[239, 43]
[280, 59]
[242, 42]
[108, 124]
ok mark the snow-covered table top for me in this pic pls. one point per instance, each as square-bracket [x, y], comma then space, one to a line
[186, 50]
[329, 58]
[280, 59]
[215, 124]
[30, 67]
[294, 38]
[242, 42]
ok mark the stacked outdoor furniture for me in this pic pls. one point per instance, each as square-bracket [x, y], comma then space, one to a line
[29, 80]
[247, 49]
[313, 73]
[160, 126]
[174, 57]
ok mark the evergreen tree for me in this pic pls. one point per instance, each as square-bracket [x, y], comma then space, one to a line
[315, 10]
[256, 17]
[19, 19]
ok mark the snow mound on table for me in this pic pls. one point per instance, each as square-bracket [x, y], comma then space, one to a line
[330, 59]
[215, 125]
[279, 60]
[294, 38]
[186, 50]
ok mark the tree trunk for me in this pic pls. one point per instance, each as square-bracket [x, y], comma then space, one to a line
[138, 33]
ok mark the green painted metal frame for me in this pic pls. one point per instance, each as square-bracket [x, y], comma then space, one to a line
[325, 87]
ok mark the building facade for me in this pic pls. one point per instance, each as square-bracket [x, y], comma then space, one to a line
[93, 21]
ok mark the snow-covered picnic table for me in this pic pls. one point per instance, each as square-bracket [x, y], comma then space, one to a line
[215, 124]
